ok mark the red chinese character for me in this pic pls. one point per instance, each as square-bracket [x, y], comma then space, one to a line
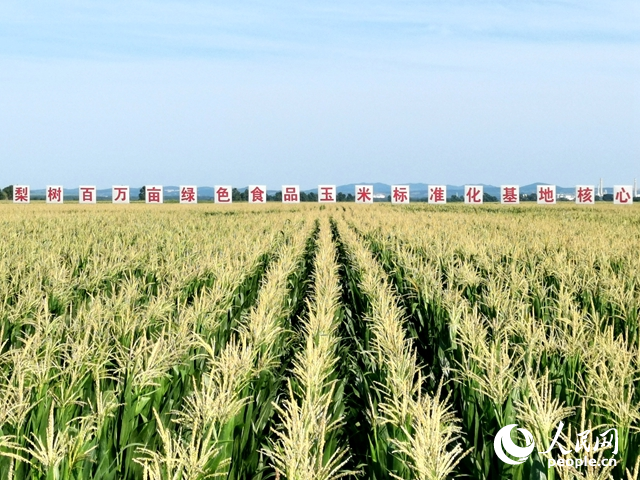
[290, 194]
[187, 195]
[622, 196]
[545, 194]
[326, 194]
[121, 196]
[509, 195]
[222, 195]
[21, 194]
[473, 195]
[257, 195]
[153, 194]
[54, 194]
[437, 195]
[364, 194]
[400, 194]
[585, 195]
[87, 194]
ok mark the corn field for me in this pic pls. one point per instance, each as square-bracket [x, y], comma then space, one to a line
[316, 342]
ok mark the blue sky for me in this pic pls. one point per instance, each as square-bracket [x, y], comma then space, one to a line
[303, 92]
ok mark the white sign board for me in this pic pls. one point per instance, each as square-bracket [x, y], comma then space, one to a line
[473, 194]
[364, 193]
[585, 194]
[222, 193]
[290, 194]
[87, 194]
[622, 194]
[510, 194]
[326, 193]
[153, 194]
[188, 194]
[120, 194]
[546, 194]
[400, 194]
[54, 194]
[437, 194]
[21, 194]
[257, 193]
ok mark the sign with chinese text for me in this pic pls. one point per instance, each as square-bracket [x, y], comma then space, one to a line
[222, 194]
[473, 194]
[290, 194]
[400, 194]
[257, 193]
[585, 194]
[546, 194]
[21, 194]
[153, 194]
[87, 194]
[54, 194]
[510, 194]
[326, 193]
[438, 194]
[120, 194]
[188, 194]
[364, 193]
[622, 194]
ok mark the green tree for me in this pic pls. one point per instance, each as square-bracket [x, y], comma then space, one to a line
[308, 197]
[342, 197]
[486, 198]
[276, 197]
[238, 196]
[6, 193]
[141, 194]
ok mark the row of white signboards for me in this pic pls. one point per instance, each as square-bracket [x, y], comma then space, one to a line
[437, 194]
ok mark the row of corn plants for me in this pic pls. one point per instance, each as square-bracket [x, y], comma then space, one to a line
[106, 329]
[309, 443]
[224, 419]
[412, 433]
[533, 333]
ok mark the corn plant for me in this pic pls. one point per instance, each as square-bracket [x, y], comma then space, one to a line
[308, 444]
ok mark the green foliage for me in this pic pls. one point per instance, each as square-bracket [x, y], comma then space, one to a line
[314, 341]
[521, 329]
[7, 193]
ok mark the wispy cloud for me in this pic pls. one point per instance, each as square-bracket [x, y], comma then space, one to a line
[248, 28]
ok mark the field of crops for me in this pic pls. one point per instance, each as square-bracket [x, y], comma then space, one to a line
[315, 342]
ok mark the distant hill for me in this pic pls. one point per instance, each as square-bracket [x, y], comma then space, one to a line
[533, 188]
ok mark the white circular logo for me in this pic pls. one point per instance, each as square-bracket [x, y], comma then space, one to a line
[503, 443]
